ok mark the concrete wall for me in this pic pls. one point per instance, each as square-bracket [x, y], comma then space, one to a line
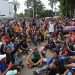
[6, 9]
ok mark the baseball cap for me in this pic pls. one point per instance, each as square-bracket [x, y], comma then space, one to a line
[2, 56]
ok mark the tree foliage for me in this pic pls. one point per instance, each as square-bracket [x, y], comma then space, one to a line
[52, 3]
[67, 7]
[35, 5]
[21, 15]
[47, 13]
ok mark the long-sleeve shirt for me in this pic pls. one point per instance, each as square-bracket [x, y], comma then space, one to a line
[61, 59]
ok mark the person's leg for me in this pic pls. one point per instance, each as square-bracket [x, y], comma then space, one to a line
[42, 69]
[53, 71]
[61, 71]
[38, 62]
[29, 61]
[39, 40]
[35, 42]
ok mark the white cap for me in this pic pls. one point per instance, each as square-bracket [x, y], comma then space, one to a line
[11, 72]
[2, 56]
[0, 43]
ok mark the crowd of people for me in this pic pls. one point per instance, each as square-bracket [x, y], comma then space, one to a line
[16, 39]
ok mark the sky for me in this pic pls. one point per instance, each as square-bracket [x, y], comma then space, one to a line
[23, 7]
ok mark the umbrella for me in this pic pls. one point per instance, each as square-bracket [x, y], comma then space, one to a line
[71, 28]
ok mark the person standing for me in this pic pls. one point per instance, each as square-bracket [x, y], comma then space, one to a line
[51, 27]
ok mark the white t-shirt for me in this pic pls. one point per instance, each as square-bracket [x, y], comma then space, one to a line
[51, 27]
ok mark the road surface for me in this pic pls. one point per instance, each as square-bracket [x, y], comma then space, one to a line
[25, 70]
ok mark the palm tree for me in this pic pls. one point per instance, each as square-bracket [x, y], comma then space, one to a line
[28, 3]
[16, 6]
[52, 3]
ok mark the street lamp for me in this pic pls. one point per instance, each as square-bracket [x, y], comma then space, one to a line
[33, 8]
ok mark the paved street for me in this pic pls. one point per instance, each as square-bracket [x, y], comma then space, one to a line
[27, 71]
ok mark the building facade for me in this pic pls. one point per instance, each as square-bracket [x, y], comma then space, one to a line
[6, 9]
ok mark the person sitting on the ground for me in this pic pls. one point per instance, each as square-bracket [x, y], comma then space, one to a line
[34, 58]
[51, 44]
[24, 46]
[70, 68]
[43, 51]
[10, 58]
[4, 68]
[56, 69]
[19, 58]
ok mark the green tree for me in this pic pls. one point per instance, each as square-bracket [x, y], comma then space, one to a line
[52, 3]
[16, 6]
[67, 7]
[47, 13]
[21, 15]
[28, 3]
[36, 6]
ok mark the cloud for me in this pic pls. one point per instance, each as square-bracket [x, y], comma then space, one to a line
[22, 6]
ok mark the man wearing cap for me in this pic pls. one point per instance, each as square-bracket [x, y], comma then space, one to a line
[4, 68]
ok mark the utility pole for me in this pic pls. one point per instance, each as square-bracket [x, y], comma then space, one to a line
[33, 8]
[15, 9]
[55, 9]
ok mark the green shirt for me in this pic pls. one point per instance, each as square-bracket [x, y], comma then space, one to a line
[35, 56]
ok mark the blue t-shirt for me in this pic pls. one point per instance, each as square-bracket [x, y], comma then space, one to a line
[60, 59]
[5, 24]
[12, 46]
[3, 67]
